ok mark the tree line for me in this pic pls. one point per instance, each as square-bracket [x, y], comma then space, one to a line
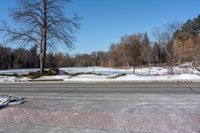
[29, 58]
[174, 44]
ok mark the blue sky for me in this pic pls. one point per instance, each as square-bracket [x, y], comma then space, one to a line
[105, 21]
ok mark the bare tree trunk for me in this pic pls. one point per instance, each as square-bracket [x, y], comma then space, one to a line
[134, 68]
[171, 69]
[43, 39]
[41, 59]
[149, 60]
[157, 57]
[149, 68]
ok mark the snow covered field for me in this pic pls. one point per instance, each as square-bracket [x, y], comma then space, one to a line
[99, 74]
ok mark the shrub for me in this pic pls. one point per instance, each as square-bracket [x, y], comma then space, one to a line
[52, 71]
[34, 75]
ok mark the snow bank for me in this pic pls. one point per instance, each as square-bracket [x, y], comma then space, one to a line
[18, 71]
[97, 70]
[167, 78]
[13, 79]
[102, 74]
[46, 78]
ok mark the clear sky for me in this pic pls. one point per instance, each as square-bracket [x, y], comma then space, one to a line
[105, 21]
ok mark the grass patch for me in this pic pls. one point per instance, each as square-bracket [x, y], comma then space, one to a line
[74, 74]
[82, 73]
[34, 75]
[117, 76]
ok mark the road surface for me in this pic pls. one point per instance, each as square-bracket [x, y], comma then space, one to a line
[103, 88]
[102, 108]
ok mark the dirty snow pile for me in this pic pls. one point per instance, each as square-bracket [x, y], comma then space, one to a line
[10, 100]
[103, 74]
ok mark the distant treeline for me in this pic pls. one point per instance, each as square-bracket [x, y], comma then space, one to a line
[174, 44]
[119, 55]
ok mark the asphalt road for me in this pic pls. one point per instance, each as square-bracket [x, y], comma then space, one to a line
[102, 108]
[103, 88]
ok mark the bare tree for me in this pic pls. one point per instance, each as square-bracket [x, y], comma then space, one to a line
[168, 37]
[157, 33]
[146, 52]
[165, 39]
[42, 23]
[113, 56]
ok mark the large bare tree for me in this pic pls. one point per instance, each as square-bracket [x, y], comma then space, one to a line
[42, 23]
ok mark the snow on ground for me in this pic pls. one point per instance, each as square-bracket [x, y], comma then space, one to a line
[18, 71]
[88, 74]
[13, 79]
[97, 70]
[59, 77]
[167, 78]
